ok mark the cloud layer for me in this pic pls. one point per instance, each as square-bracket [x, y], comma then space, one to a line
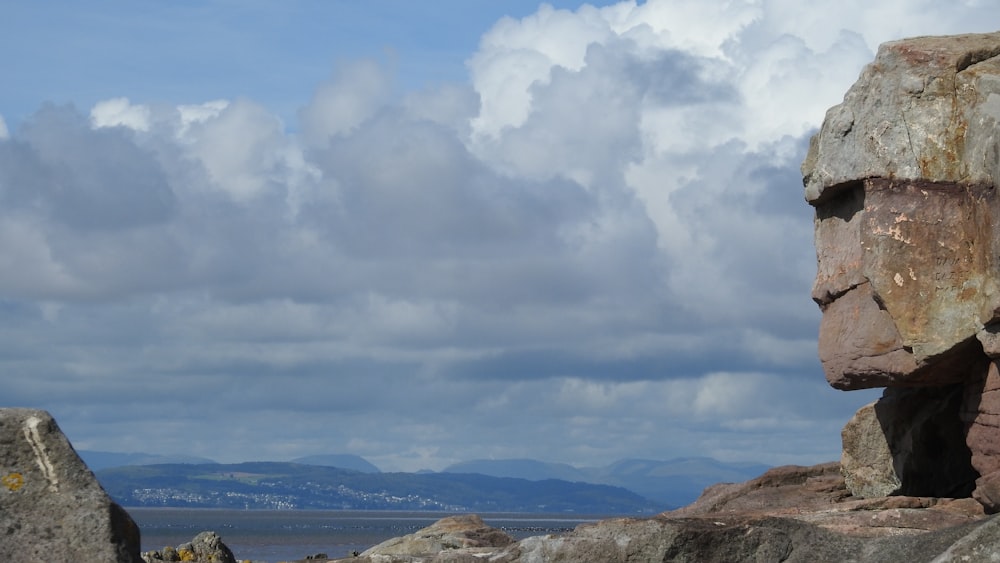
[595, 247]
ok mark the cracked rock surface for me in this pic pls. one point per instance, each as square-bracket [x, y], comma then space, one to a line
[903, 176]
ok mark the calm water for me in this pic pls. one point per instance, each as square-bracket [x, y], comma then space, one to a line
[287, 535]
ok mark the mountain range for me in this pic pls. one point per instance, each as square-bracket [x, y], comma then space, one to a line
[671, 483]
[286, 486]
[675, 483]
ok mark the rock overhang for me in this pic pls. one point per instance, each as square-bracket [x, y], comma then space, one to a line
[926, 109]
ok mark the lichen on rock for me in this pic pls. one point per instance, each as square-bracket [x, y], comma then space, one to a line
[51, 506]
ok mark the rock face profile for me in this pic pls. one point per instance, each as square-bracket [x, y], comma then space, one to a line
[903, 176]
[51, 506]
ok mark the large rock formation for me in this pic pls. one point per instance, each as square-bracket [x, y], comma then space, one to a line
[51, 506]
[904, 176]
[789, 514]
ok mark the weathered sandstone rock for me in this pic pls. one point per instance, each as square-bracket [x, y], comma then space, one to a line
[981, 415]
[903, 175]
[866, 458]
[904, 301]
[925, 110]
[51, 506]
[206, 547]
[789, 514]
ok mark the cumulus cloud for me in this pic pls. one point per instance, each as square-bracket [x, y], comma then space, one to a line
[598, 240]
[120, 112]
[355, 93]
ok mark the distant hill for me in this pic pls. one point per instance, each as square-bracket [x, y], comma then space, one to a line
[672, 483]
[343, 461]
[100, 460]
[531, 469]
[274, 485]
[669, 484]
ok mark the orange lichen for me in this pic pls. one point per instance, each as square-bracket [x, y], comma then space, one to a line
[13, 481]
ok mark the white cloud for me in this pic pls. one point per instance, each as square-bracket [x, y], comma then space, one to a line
[699, 28]
[119, 112]
[354, 94]
[774, 78]
[599, 237]
[244, 149]
[26, 258]
[515, 55]
[193, 114]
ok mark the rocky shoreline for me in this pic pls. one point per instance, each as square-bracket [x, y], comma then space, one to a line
[54, 510]
[789, 514]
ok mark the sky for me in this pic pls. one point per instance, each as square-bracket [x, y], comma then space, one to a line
[424, 233]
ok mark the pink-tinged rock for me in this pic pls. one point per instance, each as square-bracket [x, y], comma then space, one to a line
[931, 260]
[859, 345]
[981, 414]
[904, 301]
[902, 178]
[988, 492]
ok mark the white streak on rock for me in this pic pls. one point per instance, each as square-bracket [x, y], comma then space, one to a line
[41, 458]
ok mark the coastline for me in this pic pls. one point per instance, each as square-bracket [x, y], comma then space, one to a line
[290, 535]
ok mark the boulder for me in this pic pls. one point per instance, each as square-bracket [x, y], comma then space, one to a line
[903, 177]
[206, 547]
[463, 534]
[982, 543]
[910, 442]
[867, 458]
[51, 506]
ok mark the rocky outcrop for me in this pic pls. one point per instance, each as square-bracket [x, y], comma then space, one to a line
[51, 506]
[206, 547]
[460, 535]
[924, 110]
[903, 175]
[789, 514]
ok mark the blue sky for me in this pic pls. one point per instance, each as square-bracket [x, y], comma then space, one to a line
[425, 233]
[273, 52]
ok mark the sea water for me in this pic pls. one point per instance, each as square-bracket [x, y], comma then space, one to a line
[288, 535]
